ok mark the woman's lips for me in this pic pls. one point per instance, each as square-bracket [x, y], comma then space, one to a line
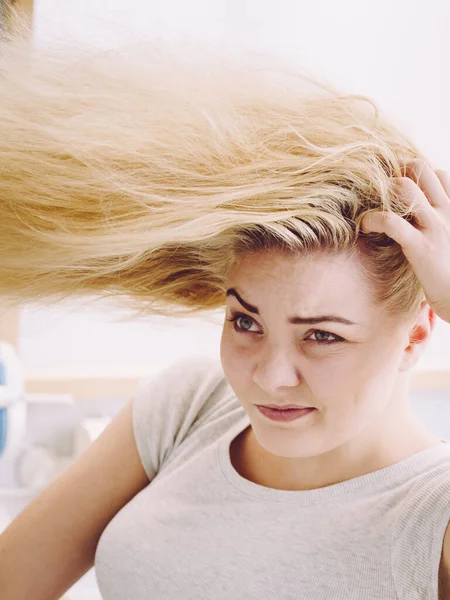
[289, 414]
[284, 407]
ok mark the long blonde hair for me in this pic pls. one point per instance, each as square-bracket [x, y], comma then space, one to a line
[147, 171]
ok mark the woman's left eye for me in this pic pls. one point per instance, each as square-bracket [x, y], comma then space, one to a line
[236, 316]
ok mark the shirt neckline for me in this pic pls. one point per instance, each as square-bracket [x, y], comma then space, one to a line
[385, 478]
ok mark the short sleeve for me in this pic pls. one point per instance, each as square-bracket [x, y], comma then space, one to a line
[419, 534]
[166, 405]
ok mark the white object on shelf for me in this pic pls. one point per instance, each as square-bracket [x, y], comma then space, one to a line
[36, 467]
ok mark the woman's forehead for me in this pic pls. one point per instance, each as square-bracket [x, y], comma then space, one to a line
[325, 285]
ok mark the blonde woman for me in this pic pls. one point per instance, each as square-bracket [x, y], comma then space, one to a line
[185, 184]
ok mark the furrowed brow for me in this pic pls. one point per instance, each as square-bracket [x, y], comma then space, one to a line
[295, 320]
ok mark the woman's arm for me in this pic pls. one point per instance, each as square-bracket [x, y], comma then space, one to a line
[52, 542]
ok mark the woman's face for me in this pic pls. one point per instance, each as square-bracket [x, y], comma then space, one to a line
[353, 374]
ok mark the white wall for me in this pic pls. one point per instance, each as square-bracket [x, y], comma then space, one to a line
[394, 51]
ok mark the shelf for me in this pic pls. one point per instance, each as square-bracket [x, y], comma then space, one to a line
[428, 377]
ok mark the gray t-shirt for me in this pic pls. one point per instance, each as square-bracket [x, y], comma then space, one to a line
[200, 530]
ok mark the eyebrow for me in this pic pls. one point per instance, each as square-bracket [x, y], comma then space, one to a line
[293, 320]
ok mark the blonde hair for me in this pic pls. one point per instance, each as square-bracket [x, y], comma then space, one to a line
[146, 172]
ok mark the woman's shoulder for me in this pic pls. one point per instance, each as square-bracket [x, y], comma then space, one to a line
[421, 534]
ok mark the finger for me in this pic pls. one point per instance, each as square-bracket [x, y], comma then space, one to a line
[397, 228]
[414, 198]
[444, 178]
[426, 179]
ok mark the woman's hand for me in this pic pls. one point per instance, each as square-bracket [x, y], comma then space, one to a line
[427, 247]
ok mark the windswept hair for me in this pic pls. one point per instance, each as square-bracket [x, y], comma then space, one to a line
[146, 172]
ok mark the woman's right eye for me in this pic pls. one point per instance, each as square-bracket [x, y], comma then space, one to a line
[235, 317]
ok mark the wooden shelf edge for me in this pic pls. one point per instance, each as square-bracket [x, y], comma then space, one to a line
[125, 387]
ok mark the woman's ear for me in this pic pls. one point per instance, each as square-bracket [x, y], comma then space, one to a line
[424, 324]
[418, 335]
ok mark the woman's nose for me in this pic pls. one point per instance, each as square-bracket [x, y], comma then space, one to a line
[276, 371]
